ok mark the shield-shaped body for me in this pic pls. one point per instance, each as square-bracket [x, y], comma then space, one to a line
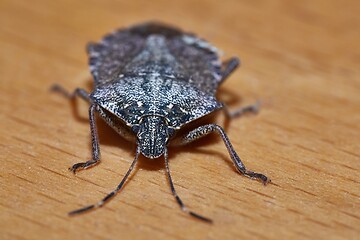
[156, 79]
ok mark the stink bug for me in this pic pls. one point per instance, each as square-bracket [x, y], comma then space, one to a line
[151, 80]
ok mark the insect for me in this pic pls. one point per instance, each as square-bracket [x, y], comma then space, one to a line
[150, 81]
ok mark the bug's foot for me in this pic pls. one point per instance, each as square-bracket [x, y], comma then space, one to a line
[83, 165]
[59, 89]
[76, 167]
[254, 109]
[257, 176]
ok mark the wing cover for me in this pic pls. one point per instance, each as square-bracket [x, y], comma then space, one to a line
[192, 59]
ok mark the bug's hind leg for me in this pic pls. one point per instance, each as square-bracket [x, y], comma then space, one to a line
[207, 129]
[253, 108]
[77, 92]
[94, 143]
[229, 66]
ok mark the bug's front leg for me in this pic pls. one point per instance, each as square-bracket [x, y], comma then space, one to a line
[94, 135]
[95, 143]
[207, 129]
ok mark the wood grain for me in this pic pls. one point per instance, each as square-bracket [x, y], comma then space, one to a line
[301, 58]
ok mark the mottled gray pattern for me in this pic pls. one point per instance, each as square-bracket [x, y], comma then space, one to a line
[157, 48]
[154, 70]
[133, 97]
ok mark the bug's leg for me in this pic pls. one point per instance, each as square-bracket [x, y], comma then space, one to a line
[207, 129]
[254, 108]
[228, 67]
[183, 208]
[94, 135]
[111, 194]
[94, 143]
[77, 92]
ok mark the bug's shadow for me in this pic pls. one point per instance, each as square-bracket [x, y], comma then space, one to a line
[197, 148]
[109, 137]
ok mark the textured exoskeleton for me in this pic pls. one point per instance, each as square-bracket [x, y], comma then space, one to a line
[150, 81]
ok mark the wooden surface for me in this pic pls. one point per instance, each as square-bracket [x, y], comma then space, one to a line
[300, 57]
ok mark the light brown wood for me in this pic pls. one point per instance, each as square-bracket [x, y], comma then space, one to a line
[301, 58]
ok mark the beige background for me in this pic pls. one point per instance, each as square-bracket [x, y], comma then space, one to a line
[300, 57]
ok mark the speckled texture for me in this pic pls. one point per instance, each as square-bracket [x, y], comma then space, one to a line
[156, 48]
